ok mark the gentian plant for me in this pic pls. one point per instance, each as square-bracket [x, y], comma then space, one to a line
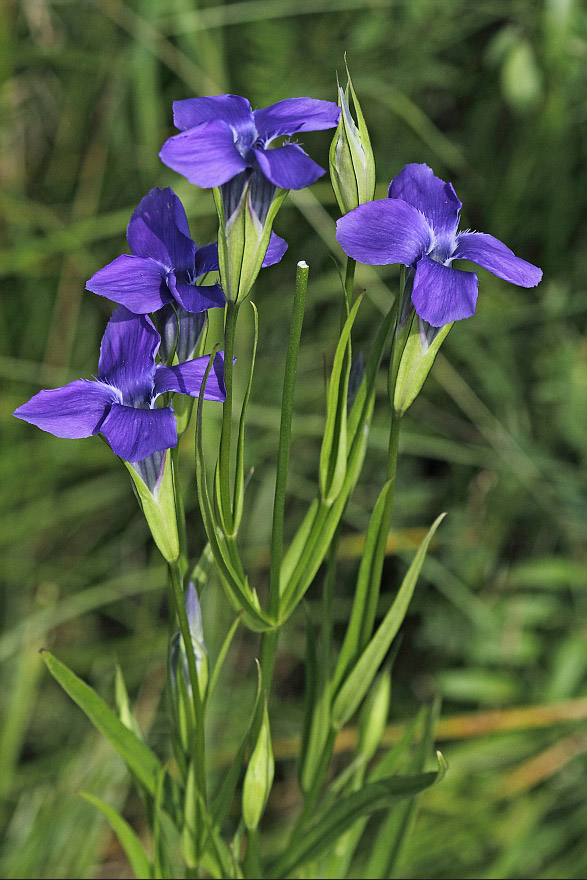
[147, 371]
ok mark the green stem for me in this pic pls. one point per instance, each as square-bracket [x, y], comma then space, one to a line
[179, 512]
[270, 639]
[289, 381]
[225, 437]
[184, 627]
[379, 555]
[349, 283]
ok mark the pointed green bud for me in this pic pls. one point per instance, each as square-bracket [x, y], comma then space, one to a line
[417, 358]
[374, 716]
[178, 662]
[246, 210]
[259, 776]
[352, 166]
[153, 483]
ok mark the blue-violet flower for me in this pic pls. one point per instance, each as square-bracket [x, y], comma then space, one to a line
[121, 402]
[417, 226]
[222, 136]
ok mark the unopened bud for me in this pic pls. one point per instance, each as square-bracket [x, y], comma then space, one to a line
[352, 166]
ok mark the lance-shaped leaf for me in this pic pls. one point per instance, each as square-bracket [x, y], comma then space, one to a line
[395, 828]
[223, 799]
[359, 680]
[322, 520]
[138, 757]
[132, 846]
[365, 587]
[333, 455]
[342, 815]
[239, 475]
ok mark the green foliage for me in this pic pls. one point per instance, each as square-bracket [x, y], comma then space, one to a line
[490, 95]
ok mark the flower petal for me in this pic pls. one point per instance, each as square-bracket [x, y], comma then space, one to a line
[74, 411]
[135, 282]
[127, 356]
[295, 114]
[384, 231]
[206, 155]
[134, 434]
[232, 109]
[496, 257]
[206, 259]
[187, 378]
[159, 229]
[275, 251]
[199, 297]
[418, 186]
[288, 167]
[441, 294]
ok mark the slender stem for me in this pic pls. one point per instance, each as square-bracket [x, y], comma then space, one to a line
[179, 512]
[270, 639]
[289, 381]
[225, 437]
[349, 283]
[379, 555]
[184, 627]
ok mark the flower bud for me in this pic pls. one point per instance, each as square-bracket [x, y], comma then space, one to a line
[352, 166]
[259, 776]
[178, 661]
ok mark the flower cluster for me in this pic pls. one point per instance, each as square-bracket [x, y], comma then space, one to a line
[225, 145]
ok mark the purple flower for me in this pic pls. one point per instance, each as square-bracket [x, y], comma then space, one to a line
[417, 226]
[121, 402]
[222, 136]
[165, 263]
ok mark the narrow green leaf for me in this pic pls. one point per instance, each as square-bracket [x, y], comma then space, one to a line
[161, 845]
[297, 545]
[138, 757]
[223, 799]
[239, 477]
[220, 660]
[237, 589]
[317, 723]
[132, 846]
[319, 525]
[395, 829]
[358, 682]
[123, 703]
[361, 601]
[341, 816]
[333, 455]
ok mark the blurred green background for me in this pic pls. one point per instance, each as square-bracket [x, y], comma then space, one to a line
[493, 95]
